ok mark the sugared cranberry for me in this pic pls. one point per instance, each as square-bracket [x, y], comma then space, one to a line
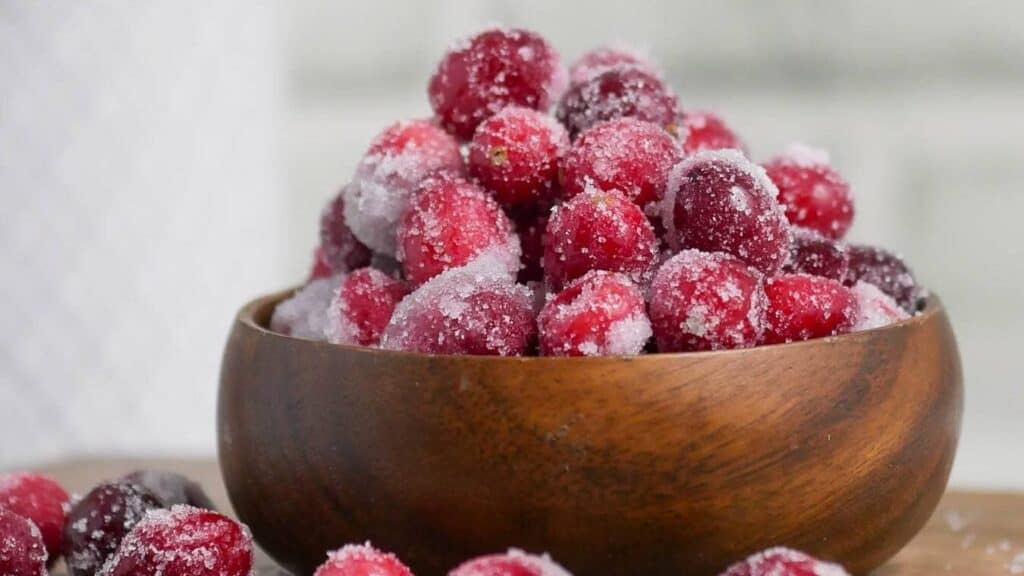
[476, 309]
[601, 59]
[599, 314]
[625, 154]
[183, 541]
[496, 68]
[619, 92]
[512, 563]
[98, 523]
[801, 307]
[530, 226]
[784, 562]
[320, 268]
[22, 551]
[875, 308]
[515, 154]
[706, 131]
[449, 222]
[362, 560]
[885, 270]
[398, 160]
[304, 314]
[702, 301]
[718, 201]
[813, 194]
[362, 307]
[40, 499]
[339, 250]
[598, 231]
[171, 488]
[814, 254]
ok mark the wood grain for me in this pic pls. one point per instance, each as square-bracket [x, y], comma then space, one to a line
[661, 464]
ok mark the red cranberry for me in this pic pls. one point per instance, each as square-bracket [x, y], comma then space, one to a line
[362, 307]
[512, 563]
[718, 201]
[813, 194]
[616, 93]
[171, 488]
[339, 250]
[702, 301]
[886, 271]
[625, 154]
[600, 59]
[41, 500]
[598, 231]
[362, 560]
[515, 153]
[599, 314]
[183, 541]
[706, 131]
[811, 253]
[496, 68]
[802, 307]
[320, 268]
[22, 551]
[98, 523]
[875, 308]
[784, 562]
[449, 222]
[476, 309]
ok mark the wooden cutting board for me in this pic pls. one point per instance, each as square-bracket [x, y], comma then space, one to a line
[971, 533]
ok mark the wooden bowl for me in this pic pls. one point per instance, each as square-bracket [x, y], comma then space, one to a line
[658, 464]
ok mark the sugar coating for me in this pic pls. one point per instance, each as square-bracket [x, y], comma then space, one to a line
[304, 315]
[339, 250]
[618, 92]
[600, 59]
[703, 130]
[802, 307]
[813, 194]
[361, 307]
[22, 551]
[875, 308]
[784, 562]
[99, 521]
[885, 270]
[514, 562]
[812, 253]
[361, 560]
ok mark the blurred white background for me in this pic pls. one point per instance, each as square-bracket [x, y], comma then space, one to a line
[161, 162]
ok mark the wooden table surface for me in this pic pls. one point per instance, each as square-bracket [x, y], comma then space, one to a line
[971, 533]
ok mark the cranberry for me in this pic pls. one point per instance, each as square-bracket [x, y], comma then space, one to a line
[784, 562]
[702, 301]
[449, 222]
[98, 523]
[813, 194]
[496, 68]
[304, 314]
[339, 250]
[801, 307]
[362, 560]
[812, 253]
[41, 500]
[183, 541]
[625, 154]
[171, 488]
[515, 154]
[718, 201]
[600, 59]
[885, 270]
[616, 93]
[512, 563]
[320, 268]
[598, 231]
[875, 308]
[706, 131]
[362, 307]
[22, 551]
[599, 314]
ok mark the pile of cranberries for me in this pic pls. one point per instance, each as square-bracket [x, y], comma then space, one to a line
[619, 224]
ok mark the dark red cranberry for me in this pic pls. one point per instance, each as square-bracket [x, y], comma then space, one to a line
[622, 91]
[811, 253]
[171, 488]
[339, 250]
[885, 270]
[98, 523]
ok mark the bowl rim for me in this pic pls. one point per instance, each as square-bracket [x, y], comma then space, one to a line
[247, 317]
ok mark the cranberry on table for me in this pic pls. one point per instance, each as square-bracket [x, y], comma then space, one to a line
[362, 307]
[22, 551]
[812, 193]
[512, 563]
[340, 250]
[885, 270]
[496, 68]
[448, 223]
[598, 231]
[515, 154]
[40, 499]
[602, 58]
[802, 307]
[703, 130]
[629, 155]
[618, 92]
[362, 560]
[784, 562]
[875, 308]
[812, 253]
[718, 201]
[171, 488]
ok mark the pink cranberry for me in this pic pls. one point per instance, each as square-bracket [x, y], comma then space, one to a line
[885, 270]
[813, 194]
[875, 308]
[802, 307]
[718, 201]
[362, 307]
[599, 314]
[707, 131]
[40, 499]
[183, 541]
[600, 59]
[339, 250]
[702, 301]
[625, 154]
[784, 562]
[496, 68]
[515, 154]
[362, 560]
[448, 223]
[598, 231]
[22, 551]
[811, 253]
[622, 91]
[512, 563]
